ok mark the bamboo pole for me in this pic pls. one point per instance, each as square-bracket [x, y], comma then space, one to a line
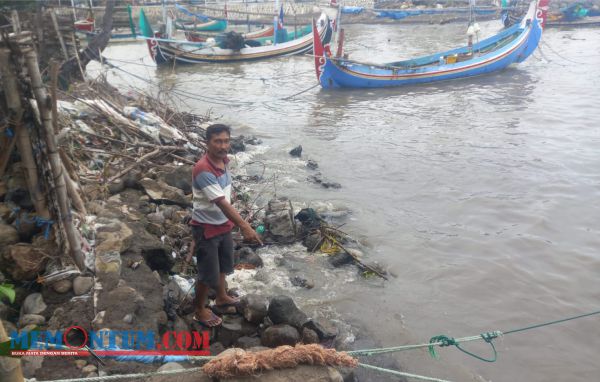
[10, 368]
[56, 165]
[7, 150]
[13, 101]
[72, 188]
[59, 34]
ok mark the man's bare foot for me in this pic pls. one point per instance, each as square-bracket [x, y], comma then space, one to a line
[207, 318]
[226, 300]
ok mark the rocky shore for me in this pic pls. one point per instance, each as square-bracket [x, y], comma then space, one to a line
[135, 236]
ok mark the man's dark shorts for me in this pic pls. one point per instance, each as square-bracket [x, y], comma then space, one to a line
[214, 256]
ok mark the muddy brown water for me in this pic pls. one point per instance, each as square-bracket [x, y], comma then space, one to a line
[481, 195]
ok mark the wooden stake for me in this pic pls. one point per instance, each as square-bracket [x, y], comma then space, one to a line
[56, 165]
[13, 101]
[16, 24]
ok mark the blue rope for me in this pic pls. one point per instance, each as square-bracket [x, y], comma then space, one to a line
[37, 220]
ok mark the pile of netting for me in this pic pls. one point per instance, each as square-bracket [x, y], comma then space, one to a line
[237, 362]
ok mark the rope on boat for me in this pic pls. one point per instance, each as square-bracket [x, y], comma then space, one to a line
[184, 93]
[561, 56]
[443, 340]
[300, 92]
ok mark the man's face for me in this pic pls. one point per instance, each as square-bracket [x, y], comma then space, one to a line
[219, 144]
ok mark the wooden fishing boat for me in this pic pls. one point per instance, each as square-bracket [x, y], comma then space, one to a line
[586, 22]
[162, 49]
[511, 45]
[216, 25]
[208, 24]
[201, 37]
[261, 36]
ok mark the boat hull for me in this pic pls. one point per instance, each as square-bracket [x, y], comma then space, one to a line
[524, 39]
[199, 37]
[211, 26]
[164, 52]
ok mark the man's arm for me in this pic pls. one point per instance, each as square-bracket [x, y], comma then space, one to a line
[232, 214]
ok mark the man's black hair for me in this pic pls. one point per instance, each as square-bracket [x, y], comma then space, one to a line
[216, 129]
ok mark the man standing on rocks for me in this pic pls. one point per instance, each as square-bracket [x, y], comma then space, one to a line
[213, 218]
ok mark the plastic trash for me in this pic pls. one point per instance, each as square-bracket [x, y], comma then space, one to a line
[152, 125]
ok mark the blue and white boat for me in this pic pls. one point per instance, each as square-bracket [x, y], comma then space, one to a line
[510, 46]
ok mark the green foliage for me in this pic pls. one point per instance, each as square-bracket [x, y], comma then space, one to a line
[6, 290]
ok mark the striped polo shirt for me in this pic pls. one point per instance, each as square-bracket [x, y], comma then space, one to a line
[209, 185]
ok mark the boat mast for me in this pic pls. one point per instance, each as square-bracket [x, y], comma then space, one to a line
[473, 28]
[339, 31]
[276, 22]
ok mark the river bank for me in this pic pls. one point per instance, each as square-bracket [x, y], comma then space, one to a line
[129, 157]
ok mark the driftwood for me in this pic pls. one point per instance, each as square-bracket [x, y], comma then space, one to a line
[55, 163]
[23, 141]
[357, 260]
[131, 167]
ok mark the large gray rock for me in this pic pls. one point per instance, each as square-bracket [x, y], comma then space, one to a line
[170, 366]
[309, 336]
[30, 365]
[233, 328]
[157, 256]
[247, 342]
[161, 192]
[8, 235]
[254, 308]
[279, 220]
[246, 255]
[180, 177]
[283, 310]
[82, 285]
[301, 373]
[31, 319]
[324, 329]
[278, 335]
[339, 259]
[23, 262]
[62, 286]
[112, 235]
[34, 304]
[280, 226]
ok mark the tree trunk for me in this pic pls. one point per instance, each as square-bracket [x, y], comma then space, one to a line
[10, 368]
[71, 68]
